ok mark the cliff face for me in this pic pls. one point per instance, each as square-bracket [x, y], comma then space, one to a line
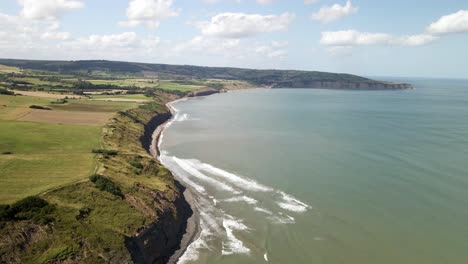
[347, 85]
[158, 242]
[147, 138]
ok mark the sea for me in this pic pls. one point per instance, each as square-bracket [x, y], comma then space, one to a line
[326, 176]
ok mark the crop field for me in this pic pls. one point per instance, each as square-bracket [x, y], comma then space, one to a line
[45, 149]
[38, 81]
[43, 156]
[68, 117]
[8, 69]
[48, 95]
[121, 96]
[13, 107]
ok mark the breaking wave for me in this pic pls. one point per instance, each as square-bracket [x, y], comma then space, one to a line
[216, 191]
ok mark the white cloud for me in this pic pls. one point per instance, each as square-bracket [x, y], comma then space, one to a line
[353, 38]
[47, 9]
[356, 38]
[452, 23]
[416, 40]
[240, 25]
[235, 50]
[274, 49]
[55, 36]
[329, 14]
[149, 13]
[122, 41]
[206, 44]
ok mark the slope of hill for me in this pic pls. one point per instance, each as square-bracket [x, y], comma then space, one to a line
[271, 78]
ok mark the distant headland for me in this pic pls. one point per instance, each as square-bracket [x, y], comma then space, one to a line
[262, 78]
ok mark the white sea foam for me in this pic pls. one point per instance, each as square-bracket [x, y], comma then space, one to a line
[182, 175]
[241, 182]
[263, 210]
[192, 251]
[210, 226]
[181, 118]
[187, 166]
[233, 245]
[292, 204]
[247, 199]
[282, 219]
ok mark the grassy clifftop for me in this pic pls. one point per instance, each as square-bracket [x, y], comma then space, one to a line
[90, 222]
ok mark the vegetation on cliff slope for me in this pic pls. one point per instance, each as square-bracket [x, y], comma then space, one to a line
[88, 222]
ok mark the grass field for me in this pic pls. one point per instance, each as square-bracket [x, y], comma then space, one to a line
[8, 69]
[13, 107]
[51, 149]
[37, 81]
[122, 96]
[149, 83]
[44, 156]
[141, 83]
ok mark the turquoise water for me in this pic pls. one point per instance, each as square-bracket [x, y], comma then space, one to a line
[326, 176]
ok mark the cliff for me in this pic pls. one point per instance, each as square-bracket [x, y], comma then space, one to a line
[344, 85]
[139, 217]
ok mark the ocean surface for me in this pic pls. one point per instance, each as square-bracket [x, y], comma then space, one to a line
[326, 176]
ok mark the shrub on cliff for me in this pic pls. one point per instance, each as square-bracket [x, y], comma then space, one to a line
[106, 184]
[106, 152]
[30, 208]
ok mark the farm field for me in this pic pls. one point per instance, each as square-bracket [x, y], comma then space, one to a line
[50, 127]
[44, 149]
[43, 156]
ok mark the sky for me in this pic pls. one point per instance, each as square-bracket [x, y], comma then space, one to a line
[365, 37]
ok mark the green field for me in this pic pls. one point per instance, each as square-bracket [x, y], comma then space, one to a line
[122, 96]
[43, 156]
[47, 155]
[13, 107]
[39, 82]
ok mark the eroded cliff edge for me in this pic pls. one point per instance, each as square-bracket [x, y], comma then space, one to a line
[131, 211]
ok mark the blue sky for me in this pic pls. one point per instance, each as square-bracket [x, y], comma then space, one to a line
[372, 38]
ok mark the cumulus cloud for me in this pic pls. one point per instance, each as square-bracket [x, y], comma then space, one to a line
[125, 40]
[452, 23]
[240, 25]
[274, 49]
[47, 9]
[356, 38]
[56, 36]
[332, 13]
[149, 13]
[232, 49]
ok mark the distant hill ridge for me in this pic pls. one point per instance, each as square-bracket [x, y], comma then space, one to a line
[269, 78]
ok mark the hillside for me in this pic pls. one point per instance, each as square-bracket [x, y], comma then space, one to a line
[274, 78]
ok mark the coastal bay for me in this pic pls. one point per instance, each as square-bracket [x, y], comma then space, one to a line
[353, 192]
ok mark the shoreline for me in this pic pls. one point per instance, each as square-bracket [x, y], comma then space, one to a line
[193, 230]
